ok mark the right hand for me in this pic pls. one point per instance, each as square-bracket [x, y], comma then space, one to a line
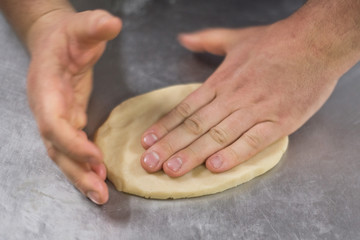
[64, 47]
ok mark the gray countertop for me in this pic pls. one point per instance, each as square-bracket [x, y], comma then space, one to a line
[314, 193]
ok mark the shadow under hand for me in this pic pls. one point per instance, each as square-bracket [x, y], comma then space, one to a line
[110, 87]
[210, 60]
[117, 208]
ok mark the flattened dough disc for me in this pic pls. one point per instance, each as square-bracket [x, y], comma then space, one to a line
[119, 139]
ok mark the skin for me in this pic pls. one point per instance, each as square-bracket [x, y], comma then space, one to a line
[273, 79]
[64, 46]
[59, 86]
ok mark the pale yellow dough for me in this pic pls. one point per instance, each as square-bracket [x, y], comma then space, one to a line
[119, 139]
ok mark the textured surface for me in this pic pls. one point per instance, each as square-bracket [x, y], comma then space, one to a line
[314, 193]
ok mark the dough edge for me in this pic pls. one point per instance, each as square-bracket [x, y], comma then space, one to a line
[154, 185]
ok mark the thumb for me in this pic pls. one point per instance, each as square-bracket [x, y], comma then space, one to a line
[92, 27]
[215, 40]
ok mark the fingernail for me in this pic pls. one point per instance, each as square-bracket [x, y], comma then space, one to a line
[174, 164]
[93, 196]
[216, 162]
[150, 139]
[151, 159]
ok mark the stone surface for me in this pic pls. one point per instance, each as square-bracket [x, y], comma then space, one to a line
[314, 193]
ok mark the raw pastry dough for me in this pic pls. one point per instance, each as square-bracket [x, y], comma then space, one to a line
[119, 140]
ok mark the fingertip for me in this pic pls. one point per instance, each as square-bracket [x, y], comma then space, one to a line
[143, 143]
[107, 27]
[99, 193]
[110, 21]
[187, 36]
[117, 23]
[215, 164]
[150, 161]
[171, 173]
[148, 139]
[89, 181]
[96, 198]
[94, 26]
[214, 41]
[182, 37]
[168, 171]
[190, 41]
[100, 170]
[174, 167]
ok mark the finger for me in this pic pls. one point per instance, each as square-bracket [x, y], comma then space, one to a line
[62, 125]
[78, 119]
[53, 153]
[94, 26]
[100, 170]
[219, 137]
[187, 132]
[83, 178]
[188, 106]
[89, 31]
[214, 40]
[248, 145]
[70, 141]
[82, 88]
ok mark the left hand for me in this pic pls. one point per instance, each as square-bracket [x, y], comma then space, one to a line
[270, 83]
[64, 47]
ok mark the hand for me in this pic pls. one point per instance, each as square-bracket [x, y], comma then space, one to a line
[271, 82]
[64, 47]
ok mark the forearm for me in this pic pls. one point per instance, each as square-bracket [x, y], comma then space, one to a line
[331, 28]
[22, 14]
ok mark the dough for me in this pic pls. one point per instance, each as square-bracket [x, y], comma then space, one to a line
[119, 139]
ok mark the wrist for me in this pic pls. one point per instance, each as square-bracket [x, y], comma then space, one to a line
[330, 31]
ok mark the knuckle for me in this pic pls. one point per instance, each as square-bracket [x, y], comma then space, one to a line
[254, 140]
[183, 110]
[166, 146]
[194, 125]
[233, 155]
[192, 153]
[219, 135]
